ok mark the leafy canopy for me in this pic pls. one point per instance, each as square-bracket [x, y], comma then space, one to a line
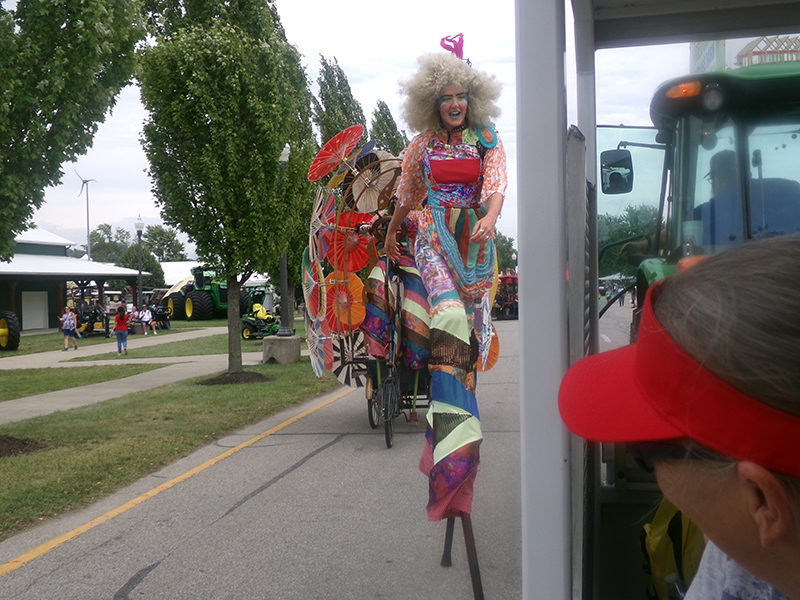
[164, 243]
[336, 108]
[226, 93]
[384, 130]
[62, 64]
[634, 220]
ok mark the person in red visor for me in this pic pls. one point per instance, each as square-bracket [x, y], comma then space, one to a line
[709, 396]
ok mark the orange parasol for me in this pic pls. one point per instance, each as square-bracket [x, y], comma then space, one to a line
[334, 152]
[344, 308]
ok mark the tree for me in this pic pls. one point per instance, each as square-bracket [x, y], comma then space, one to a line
[225, 93]
[130, 260]
[505, 252]
[384, 130]
[634, 221]
[108, 245]
[164, 243]
[336, 109]
[62, 64]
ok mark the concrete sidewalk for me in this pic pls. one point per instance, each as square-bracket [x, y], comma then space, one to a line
[179, 368]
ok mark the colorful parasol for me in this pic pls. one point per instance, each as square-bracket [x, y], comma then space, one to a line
[350, 359]
[322, 221]
[312, 291]
[345, 247]
[315, 339]
[343, 300]
[371, 184]
[493, 354]
[334, 152]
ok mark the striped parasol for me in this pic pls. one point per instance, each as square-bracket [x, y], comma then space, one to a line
[315, 339]
[350, 359]
[312, 291]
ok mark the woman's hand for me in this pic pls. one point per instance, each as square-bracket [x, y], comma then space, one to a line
[483, 231]
[390, 245]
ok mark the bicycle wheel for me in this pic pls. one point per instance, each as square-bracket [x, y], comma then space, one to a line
[389, 396]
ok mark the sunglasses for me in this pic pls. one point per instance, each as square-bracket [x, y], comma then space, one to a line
[645, 454]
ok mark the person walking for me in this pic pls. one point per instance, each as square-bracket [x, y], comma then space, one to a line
[69, 326]
[121, 321]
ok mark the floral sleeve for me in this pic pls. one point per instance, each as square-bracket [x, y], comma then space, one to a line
[495, 179]
[412, 191]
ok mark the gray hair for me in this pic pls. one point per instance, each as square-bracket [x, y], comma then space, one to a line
[436, 72]
[738, 314]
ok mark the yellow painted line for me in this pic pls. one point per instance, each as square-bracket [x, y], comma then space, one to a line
[71, 535]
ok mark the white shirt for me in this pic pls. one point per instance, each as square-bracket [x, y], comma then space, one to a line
[720, 578]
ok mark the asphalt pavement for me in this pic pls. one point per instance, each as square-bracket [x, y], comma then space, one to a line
[307, 504]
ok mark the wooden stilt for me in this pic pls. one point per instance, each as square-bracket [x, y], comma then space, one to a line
[447, 559]
[472, 557]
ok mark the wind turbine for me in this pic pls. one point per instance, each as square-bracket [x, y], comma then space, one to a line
[85, 184]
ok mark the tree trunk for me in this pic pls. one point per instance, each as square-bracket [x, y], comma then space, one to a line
[234, 327]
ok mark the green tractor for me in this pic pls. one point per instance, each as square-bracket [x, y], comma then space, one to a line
[729, 148]
[201, 297]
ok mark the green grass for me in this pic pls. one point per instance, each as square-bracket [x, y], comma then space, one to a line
[21, 383]
[95, 450]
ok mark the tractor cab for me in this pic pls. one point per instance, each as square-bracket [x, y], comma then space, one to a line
[730, 143]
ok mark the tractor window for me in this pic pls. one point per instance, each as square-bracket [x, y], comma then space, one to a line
[709, 203]
[774, 187]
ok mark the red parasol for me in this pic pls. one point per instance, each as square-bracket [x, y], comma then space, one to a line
[346, 247]
[343, 300]
[335, 151]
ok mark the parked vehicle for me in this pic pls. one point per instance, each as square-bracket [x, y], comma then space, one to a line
[259, 323]
[506, 300]
[730, 155]
[201, 297]
[9, 330]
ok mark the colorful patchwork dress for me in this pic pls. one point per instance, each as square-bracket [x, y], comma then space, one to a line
[455, 178]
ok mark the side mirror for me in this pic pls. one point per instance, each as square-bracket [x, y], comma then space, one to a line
[616, 171]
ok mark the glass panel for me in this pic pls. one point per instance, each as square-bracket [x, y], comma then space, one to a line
[774, 187]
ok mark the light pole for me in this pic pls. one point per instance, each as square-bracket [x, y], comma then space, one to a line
[514, 258]
[286, 330]
[139, 227]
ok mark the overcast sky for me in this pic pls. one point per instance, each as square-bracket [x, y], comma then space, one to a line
[374, 52]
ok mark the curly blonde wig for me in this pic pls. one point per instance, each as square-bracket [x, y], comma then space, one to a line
[436, 72]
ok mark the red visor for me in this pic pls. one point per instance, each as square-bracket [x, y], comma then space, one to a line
[653, 390]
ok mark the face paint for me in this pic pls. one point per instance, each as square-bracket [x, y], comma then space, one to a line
[453, 106]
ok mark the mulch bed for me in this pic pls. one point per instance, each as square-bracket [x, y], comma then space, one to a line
[10, 446]
[228, 378]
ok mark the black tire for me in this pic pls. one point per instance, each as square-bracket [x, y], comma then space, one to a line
[389, 399]
[176, 306]
[244, 303]
[9, 330]
[373, 406]
[199, 306]
[247, 332]
[388, 427]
